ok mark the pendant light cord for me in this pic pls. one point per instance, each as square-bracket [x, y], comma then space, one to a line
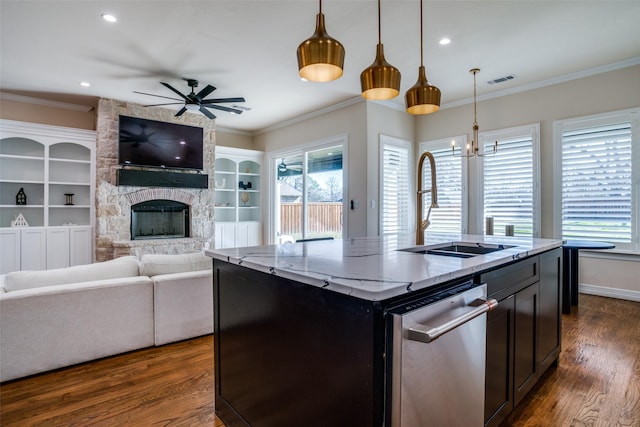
[320, 7]
[421, 37]
[475, 119]
[379, 26]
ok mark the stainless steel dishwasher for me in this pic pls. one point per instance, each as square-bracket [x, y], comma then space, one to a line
[438, 359]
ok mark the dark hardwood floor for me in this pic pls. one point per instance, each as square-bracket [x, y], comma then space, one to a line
[596, 384]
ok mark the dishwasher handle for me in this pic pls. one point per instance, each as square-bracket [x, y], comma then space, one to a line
[427, 334]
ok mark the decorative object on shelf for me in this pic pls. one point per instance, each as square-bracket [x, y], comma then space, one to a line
[69, 199]
[472, 150]
[320, 57]
[422, 98]
[381, 80]
[21, 197]
[247, 169]
[221, 184]
[245, 198]
[244, 186]
[19, 221]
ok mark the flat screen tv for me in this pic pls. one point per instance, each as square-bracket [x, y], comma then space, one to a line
[151, 143]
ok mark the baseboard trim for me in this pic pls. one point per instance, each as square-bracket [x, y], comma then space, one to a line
[603, 291]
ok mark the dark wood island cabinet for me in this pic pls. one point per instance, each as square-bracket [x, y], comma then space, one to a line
[296, 346]
[524, 332]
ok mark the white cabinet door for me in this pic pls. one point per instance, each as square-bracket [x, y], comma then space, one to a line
[33, 251]
[9, 250]
[80, 245]
[254, 233]
[248, 234]
[57, 247]
[228, 236]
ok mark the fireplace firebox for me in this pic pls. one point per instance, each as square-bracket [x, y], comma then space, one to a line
[159, 219]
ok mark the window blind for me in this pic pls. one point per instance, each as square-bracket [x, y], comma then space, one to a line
[509, 185]
[395, 189]
[448, 216]
[597, 183]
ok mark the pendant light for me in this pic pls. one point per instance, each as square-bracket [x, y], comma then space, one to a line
[473, 149]
[320, 57]
[380, 80]
[422, 98]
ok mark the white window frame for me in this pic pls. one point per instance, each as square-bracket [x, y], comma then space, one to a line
[446, 143]
[628, 115]
[273, 156]
[532, 130]
[386, 140]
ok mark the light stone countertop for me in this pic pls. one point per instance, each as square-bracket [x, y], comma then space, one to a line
[372, 268]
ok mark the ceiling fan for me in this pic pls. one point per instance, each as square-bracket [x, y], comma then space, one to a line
[196, 101]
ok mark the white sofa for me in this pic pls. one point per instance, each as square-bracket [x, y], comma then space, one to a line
[55, 318]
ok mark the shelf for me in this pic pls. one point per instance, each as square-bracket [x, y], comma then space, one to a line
[87, 162]
[41, 160]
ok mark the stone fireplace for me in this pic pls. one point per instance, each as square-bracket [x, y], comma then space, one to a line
[114, 236]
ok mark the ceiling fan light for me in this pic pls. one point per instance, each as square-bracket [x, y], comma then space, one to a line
[320, 57]
[381, 80]
[422, 98]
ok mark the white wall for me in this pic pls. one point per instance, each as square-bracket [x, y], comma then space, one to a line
[611, 91]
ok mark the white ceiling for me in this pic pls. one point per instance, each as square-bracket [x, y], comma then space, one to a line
[248, 48]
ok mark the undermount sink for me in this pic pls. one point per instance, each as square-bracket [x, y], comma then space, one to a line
[458, 249]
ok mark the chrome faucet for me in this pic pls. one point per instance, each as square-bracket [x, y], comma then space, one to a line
[423, 224]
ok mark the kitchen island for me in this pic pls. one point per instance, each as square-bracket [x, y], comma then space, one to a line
[303, 331]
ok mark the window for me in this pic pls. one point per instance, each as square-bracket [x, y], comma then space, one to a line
[598, 167]
[309, 188]
[510, 182]
[451, 176]
[395, 185]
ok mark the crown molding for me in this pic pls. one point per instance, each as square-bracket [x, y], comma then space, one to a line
[45, 102]
[548, 82]
[316, 113]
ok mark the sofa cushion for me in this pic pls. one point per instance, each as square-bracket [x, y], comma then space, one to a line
[156, 264]
[117, 268]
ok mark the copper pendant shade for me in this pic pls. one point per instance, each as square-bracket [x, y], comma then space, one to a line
[320, 57]
[381, 80]
[422, 98]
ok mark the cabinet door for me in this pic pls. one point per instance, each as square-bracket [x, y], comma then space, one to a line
[549, 317]
[80, 246]
[254, 234]
[225, 235]
[499, 363]
[57, 247]
[9, 250]
[33, 250]
[525, 370]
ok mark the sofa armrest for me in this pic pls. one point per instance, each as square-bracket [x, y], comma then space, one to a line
[183, 305]
[61, 325]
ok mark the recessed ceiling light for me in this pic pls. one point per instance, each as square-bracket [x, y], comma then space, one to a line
[108, 17]
[445, 41]
[85, 84]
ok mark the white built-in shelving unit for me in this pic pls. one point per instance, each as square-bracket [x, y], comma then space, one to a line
[48, 163]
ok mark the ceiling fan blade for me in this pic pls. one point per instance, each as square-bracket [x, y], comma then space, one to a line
[168, 86]
[220, 100]
[157, 105]
[206, 112]
[159, 96]
[223, 108]
[205, 92]
[181, 112]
